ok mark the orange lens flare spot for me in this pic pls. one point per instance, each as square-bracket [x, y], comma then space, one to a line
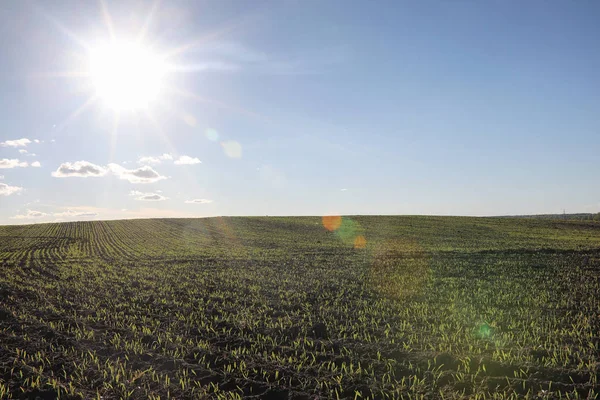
[332, 222]
[360, 242]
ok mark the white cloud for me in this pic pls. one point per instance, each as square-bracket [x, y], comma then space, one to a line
[344, 190]
[6, 190]
[187, 160]
[145, 174]
[149, 160]
[36, 164]
[12, 163]
[147, 196]
[82, 169]
[38, 140]
[31, 214]
[71, 213]
[16, 143]
[1, 176]
[23, 151]
[198, 201]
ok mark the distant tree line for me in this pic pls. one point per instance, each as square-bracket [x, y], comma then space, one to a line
[579, 217]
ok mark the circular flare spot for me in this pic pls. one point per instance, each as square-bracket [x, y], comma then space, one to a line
[232, 149]
[332, 222]
[400, 268]
[212, 134]
[190, 120]
[360, 242]
[485, 331]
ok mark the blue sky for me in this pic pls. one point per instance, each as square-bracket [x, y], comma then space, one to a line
[303, 108]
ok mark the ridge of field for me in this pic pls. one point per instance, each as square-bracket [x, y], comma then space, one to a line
[300, 308]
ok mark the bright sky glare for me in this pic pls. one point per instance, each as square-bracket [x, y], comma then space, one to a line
[129, 109]
[126, 75]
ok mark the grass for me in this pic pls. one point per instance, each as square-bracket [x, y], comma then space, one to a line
[277, 308]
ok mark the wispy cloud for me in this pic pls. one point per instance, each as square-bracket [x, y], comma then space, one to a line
[235, 56]
[198, 201]
[16, 143]
[145, 174]
[187, 160]
[206, 66]
[12, 163]
[36, 164]
[147, 196]
[59, 216]
[7, 190]
[71, 213]
[30, 214]
[149, 160]
[82, 169]
[122, 213]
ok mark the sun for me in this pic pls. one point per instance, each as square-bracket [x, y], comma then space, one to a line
[126, 75]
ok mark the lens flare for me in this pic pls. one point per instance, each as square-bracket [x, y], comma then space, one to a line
[190, 120]
[360, 242]
[212, 135]
[400, 269]
[232, 149]
[332, 222]
[485, 331]
[349, 230]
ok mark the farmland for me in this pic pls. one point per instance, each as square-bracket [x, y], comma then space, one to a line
[300, 308]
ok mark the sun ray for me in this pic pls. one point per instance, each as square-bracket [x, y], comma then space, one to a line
[240, 110]
[148, 21]
[113, 135]
[62, 74]
[187, 172]
[160, 131]
[182, 115]
[107, 20]
[165, 137]
[63, 29]
[227, 29]
[91, 100]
